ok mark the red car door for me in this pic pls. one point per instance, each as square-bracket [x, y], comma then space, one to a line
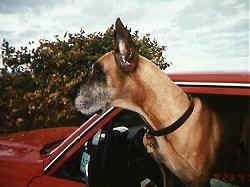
[50, 181]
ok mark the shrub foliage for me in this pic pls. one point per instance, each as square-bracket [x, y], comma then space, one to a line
[38, 86]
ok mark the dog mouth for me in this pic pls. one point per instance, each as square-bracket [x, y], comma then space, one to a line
[93, 98]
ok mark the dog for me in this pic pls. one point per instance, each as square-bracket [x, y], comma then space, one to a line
[133, 82]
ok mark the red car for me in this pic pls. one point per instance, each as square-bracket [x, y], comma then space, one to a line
[107, 149]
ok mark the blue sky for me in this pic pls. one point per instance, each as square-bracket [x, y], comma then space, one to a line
[201, 35]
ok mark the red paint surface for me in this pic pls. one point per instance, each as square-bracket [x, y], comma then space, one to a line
[48, 181]
[20, 158]
[21, 161]
[243, 77]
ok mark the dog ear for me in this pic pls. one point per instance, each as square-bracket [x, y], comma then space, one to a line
[126, 55]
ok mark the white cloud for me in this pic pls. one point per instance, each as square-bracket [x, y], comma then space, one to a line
[199, 34]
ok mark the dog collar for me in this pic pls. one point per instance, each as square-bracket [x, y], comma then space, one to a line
[171, 128]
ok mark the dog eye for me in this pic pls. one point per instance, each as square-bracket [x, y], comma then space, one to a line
[98, 73]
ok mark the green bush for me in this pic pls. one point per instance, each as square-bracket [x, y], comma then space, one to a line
[38, 86]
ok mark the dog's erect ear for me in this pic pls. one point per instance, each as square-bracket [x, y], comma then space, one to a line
[126, 55]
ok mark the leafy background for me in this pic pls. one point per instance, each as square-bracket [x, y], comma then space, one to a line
[38, 85]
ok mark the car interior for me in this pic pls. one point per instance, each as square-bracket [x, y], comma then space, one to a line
[115, 156]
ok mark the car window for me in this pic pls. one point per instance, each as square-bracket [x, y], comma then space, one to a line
[72, 168]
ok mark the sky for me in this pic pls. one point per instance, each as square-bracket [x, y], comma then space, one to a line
[200, 35]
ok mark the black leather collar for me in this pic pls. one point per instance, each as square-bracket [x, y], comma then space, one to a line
[171, 128]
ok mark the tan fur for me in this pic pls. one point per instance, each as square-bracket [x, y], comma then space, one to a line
[189, 152]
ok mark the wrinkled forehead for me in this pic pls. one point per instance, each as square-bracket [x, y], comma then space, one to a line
[102, 67]
[106, 59]
[107, 62]
[108, 68]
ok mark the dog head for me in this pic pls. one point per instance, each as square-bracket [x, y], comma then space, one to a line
[117, 83]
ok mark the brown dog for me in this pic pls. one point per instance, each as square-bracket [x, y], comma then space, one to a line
[133, 82]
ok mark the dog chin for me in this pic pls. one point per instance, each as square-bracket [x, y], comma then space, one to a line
[92, 99]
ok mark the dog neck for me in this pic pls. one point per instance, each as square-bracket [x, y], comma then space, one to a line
[154, 96]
